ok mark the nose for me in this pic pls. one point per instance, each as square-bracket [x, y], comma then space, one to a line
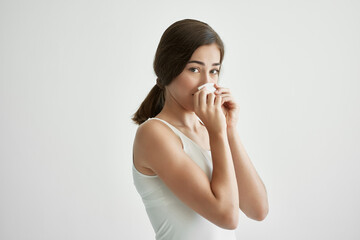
[206, 78]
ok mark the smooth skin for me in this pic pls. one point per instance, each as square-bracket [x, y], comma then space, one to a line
[159, 151]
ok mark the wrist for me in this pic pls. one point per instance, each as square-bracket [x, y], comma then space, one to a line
[231, 129]
[219, 133]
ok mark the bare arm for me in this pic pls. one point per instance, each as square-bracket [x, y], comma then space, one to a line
[252, 192]
[223, 183]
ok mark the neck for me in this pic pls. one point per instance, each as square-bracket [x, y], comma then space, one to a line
[178, 115]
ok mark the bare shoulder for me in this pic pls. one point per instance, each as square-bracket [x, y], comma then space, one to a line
[150, 139]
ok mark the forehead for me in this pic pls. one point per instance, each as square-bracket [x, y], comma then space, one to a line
[207, 53]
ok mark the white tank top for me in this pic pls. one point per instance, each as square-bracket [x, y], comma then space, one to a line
[171, 218]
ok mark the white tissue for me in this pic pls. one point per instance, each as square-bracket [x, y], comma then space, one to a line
[209, 87]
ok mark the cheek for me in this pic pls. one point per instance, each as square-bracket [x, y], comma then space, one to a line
[188, 83]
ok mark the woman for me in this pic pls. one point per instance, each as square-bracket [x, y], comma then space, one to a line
[189, 165]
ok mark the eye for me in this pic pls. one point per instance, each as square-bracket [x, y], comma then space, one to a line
[194, 69]
[215, 71]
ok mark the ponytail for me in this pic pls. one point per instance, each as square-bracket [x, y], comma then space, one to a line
[151, 106]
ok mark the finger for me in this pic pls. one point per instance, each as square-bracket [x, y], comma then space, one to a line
[226, 95]
[219, 89]
[210, 99]
[218, 100]
[226, 98]
[216, 85]
[202, 98]
[222, 90]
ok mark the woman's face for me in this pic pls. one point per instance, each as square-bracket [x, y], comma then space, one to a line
[203, 67]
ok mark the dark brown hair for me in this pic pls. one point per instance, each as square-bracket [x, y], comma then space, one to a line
[176, 46]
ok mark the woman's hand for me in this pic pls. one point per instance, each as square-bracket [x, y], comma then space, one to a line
[207, 106]
[230, 108]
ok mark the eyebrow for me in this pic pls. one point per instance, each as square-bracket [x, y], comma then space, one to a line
[201, 63]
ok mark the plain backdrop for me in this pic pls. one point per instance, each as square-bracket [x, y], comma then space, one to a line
[72, 73]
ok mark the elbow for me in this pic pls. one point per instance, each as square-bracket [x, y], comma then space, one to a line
[258, 212]
[230, 219]
[261, 214]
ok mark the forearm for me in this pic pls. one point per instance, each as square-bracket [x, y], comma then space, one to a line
[252, 192]
[223, 182]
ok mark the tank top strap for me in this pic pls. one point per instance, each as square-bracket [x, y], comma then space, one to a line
[175, 130]
[185, 139]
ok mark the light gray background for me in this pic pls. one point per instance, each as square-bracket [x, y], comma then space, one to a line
[73, 72]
